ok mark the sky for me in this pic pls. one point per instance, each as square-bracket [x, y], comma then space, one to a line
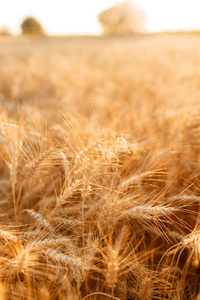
[80, 16]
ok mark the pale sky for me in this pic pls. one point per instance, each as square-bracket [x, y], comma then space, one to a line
[80, 16]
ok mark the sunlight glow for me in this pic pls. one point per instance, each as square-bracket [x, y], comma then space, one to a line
[171, 14]
[80, 16]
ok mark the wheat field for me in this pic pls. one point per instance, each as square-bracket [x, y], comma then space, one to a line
[100, 168]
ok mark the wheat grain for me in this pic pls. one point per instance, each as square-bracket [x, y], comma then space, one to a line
[39, 218]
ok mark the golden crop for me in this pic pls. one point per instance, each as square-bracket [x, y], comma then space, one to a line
[100, 168]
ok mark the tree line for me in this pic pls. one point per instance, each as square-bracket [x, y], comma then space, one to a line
[123, 18]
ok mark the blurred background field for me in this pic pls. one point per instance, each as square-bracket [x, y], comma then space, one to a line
[106, 77]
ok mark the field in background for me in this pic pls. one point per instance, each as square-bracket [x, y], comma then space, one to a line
[100, 168]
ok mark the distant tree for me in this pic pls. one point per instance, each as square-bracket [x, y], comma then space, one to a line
[4, 31]
[32, 27]
[123, 18]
